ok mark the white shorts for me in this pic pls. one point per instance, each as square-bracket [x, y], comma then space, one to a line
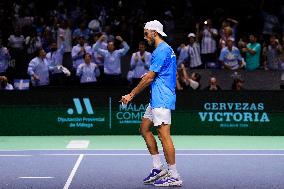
[158, 116]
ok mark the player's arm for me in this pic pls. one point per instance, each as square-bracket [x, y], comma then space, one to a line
[145, 82]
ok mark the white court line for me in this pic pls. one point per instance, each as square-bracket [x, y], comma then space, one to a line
[7, 155]
[185, 149]
[73, 172]
[162, 154]
[78, 144]
[35, 177]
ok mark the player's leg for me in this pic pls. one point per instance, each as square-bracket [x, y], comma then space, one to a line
[173, 178]
[162, 121]
[145, 130]
[167, 143]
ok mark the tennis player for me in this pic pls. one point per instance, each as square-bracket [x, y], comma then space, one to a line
[162, 78]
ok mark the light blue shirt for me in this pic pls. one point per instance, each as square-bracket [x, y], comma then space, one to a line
[88, 72]
[39, 67]
[77, 54]
[112, 63]
[138, 66]
[4, 59]
[97, 58]
[231, 58]
[55, 59]
[163, 63]
[183, 55]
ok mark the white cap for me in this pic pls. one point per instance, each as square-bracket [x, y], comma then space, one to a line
[191, 35]
[156, 26]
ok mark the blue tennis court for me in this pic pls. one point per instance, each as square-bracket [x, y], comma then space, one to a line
[123, 169]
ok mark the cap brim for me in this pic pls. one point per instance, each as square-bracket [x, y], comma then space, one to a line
[162, 33]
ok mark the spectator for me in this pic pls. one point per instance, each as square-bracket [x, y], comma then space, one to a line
[140, 62]
[230, 56]
[79, 50]
[186, 81]
[4, 85]
[98, 59]
[208, 45]
[194, 52]
[238, 84]
[32, 42]
[229, 24]
[112, 62]
[4, 60]
[64, 35]
[252, 51]
[213, 85]
[16, 41]
[88, 71]
[81, 31]
[54, 58]
[272, 54]
[183, 54]
[64, 32]
[38, 69]
[46, 39]
[227, 33]
[16, 44]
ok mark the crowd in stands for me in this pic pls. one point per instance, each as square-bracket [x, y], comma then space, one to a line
[60, 42]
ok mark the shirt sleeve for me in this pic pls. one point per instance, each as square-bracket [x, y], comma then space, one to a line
[31, 68]
[148, 61]
[96, 48]
[222, 56]
[132, 62]
[124, 50]
[79, 70]
[76, 53]
[257, 48]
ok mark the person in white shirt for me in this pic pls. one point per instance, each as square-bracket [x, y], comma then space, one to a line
[38, 69]
[112, 60]
[88, 71]
[64, 32]
[79, 50]
[193, 53]
[209, 45]
[16, 47]
[32, 42]
[55, 58]
[77, 54]
[98, 58]
[140, 63]
[4, 59]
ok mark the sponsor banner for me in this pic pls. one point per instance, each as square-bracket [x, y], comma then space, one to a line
[93, 111]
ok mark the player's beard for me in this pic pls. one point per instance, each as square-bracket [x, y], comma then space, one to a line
[151, 42]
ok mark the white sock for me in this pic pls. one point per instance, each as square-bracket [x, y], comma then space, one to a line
[157, 164]
[173, 171]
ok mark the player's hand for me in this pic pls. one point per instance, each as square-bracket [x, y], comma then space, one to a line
[126, 98]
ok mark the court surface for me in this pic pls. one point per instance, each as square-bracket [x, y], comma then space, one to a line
[103, 162]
